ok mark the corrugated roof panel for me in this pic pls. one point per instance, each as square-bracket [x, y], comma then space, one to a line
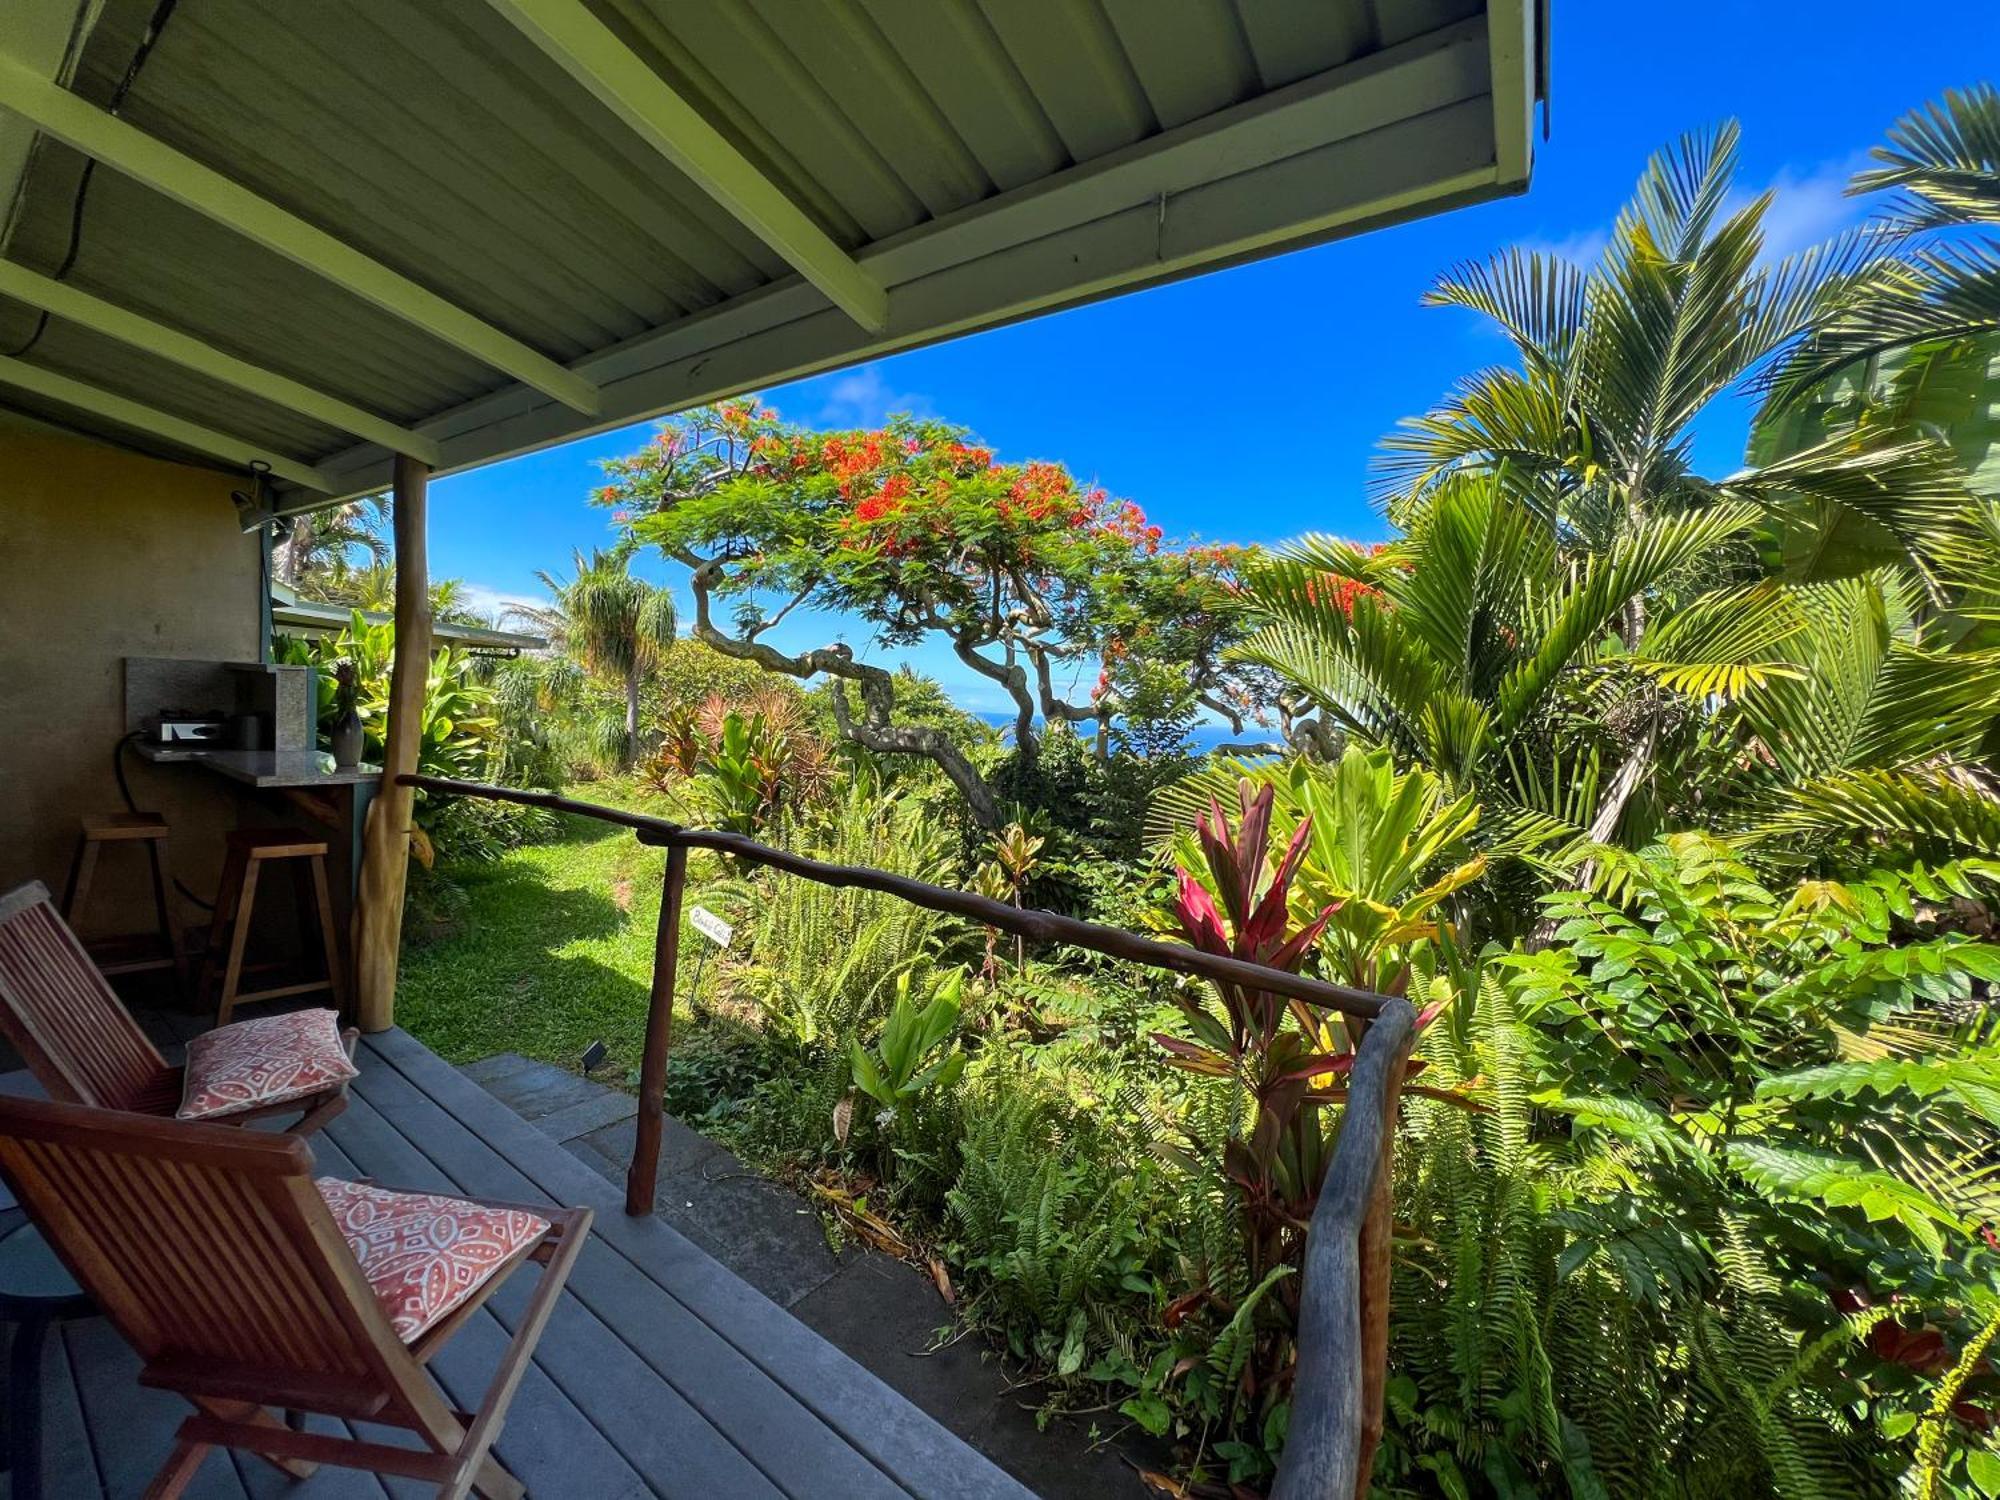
[880, 96]
[952, 47]
[1070, 54]
[732, 66]
[125, 371]
[146, 252]
[440, 140]
[1294, 39]
[1403, 19]
[427, 170]
[1191, 55]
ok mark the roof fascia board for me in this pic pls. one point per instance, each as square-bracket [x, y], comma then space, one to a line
[135, 154]
[140, 332]
[618, 78]
[1515, 52]
[1427, 72]
[239, 452]
[1386, 174]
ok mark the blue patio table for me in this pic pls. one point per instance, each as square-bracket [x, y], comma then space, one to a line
[35, 1291]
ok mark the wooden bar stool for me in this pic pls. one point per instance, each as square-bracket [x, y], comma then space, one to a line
[133, 952]
[249, 851]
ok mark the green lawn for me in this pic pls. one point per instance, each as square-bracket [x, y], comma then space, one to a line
[552, 950]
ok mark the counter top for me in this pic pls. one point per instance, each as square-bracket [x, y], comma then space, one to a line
[267, 768]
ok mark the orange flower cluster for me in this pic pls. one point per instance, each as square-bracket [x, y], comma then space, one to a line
[850, 463]
[1339, 592]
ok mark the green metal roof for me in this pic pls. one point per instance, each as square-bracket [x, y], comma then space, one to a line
[294, 615]
[617, 192]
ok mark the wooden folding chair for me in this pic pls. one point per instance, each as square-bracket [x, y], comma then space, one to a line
[78, 1039]
[214, 1253]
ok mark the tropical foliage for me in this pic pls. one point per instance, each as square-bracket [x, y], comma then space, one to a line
[1667, 798]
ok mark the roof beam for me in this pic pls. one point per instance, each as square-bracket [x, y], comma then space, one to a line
[40, 36]
[240, 452]
[128, 327]
[621, 80]
[159, 166]
[1389, 169]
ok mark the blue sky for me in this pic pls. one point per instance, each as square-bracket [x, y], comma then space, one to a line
[1244, 406]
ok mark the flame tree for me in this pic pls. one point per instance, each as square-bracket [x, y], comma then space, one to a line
[1032, 579]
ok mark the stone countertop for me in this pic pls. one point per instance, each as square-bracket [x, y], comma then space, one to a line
[267, 768]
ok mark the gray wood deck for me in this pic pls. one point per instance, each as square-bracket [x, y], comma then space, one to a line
[661, 1374]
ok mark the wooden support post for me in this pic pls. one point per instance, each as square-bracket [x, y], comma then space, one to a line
[643, 1175]
[385, 854]
[1376, 1255]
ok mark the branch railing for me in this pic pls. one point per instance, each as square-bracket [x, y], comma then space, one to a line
[1343, 1326]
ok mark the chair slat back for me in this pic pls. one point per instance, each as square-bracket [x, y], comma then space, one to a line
[61, 1015]
[205, 1245]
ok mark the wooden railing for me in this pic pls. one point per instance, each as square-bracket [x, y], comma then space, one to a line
[1343, 1328]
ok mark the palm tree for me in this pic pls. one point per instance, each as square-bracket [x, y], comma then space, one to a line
[1617, 362]
[1487, 651]
[320, 542]
[615, 625]
[1942, 166]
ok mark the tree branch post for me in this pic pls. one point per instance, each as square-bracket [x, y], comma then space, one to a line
[385, 856]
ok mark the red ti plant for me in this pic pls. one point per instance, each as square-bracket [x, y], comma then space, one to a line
[1258, 1041]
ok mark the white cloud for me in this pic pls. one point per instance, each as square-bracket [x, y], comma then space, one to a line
[1581, 247]
[494, 603]
[862, 398]
[1808, 206]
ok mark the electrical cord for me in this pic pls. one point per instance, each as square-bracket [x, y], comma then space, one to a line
[154, 27]
[131, 806]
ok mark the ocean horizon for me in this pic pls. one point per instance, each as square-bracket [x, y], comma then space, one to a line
[1204, 737]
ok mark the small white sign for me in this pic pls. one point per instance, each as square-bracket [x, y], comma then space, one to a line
[710, 926]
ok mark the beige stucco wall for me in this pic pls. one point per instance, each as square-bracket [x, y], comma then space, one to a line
[106, 554]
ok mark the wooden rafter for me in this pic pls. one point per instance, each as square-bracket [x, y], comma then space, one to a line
[621, 80]
[128, 327]
[159, 166]
[123, 410]
[40, 37]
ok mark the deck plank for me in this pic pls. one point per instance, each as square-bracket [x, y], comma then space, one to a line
[661, 1375]
[688, 1366]
[898, 1437]
[549, 1442]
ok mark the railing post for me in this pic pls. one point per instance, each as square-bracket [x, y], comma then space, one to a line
[385, 852]
[643, 1175]
[1376, 1257]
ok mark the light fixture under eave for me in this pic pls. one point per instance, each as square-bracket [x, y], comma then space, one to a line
[254, 508]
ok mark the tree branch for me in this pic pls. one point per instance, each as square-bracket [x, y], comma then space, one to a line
[875, 729]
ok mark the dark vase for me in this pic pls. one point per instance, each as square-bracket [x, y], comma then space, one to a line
[346, 737]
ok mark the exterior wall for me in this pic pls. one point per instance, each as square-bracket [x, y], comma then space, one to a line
[106, 554]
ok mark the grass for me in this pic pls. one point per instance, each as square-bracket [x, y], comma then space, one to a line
[552, 950]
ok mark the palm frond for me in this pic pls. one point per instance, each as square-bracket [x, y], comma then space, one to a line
[1943, 159]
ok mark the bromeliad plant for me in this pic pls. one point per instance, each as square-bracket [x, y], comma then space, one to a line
[1274, 1161]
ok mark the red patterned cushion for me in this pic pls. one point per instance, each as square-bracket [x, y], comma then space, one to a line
[423, 1254]
[265, 1061]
